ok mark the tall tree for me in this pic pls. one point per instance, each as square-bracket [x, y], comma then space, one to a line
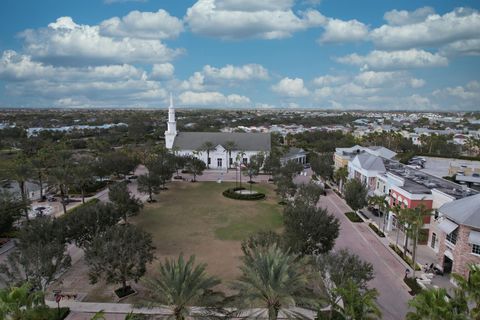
[119, 254]
[272, 163]
[229, 146]
[21, 172]
[309, 230]
[356, 194]
[61, 174]
[322, 165]
[471, 289]
[340, 176]
[273, 279]
[118, 163]
[434, 304]
[357, 303]
[149, 183]
[309, 193]
[11, 209]
[195, 166]
[125, 203]
[162, 164]
[82, 175]
[252, 168]
[20, 303]
[208, 147]
[40, 256]
[85, 223]
[181, 285]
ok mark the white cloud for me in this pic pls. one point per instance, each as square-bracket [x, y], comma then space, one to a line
[196, 82]
[212, 98]
[162, 71]
[417, 83]
[328, 80]
[469, 92]
[92, 86]
[65, 42]
[288, 87]
[403, 59]
[403, 17]
[234, 19]
[434, 30]
[376, 79]
[344, 31]
[469, 47]
[230, 72]
[145, 25]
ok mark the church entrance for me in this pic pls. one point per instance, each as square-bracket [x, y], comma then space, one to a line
[219, 162]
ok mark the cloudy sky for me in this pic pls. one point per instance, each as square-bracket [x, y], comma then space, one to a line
[329, 54]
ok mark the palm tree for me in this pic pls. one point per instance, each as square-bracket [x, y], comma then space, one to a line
[17, 302]
[357, 303]
[239, 162]
[471, 288]
[341, 175]
[413, 221]
[207, 147]
[181, 284]
[433, 304]
[229, 147]
[21, 172]
[380, 203]
[273, 278]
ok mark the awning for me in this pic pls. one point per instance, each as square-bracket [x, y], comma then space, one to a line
[447, 226]
[474, 238]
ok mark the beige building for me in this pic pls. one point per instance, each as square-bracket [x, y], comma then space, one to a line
[456, 235]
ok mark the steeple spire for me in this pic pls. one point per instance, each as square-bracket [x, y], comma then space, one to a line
[171, 125]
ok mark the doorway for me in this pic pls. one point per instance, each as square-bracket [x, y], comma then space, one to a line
[219, 162]
[447, 264]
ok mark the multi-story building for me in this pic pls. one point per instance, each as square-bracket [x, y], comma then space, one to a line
[455, 235]
[343, 156]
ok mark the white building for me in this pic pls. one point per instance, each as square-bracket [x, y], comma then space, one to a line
[242, 145]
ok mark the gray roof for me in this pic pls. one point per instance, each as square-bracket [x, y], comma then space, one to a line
[294, 152]
[465, 211]
[370, 162]
[243, 141]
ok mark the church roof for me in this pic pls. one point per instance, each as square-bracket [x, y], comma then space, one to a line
[243, 141]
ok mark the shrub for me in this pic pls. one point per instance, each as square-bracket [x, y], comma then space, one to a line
[88, 203]
[405, 258]
[352, 216]
[375, 229]
[413, 285]
[230, 193]
[91, 189]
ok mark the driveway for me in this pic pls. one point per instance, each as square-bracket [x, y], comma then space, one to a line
[393, 293]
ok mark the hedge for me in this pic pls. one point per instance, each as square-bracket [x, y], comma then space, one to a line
[232, 194]
[88, 203]
[412, 284]
[92, 188]
[375, 229]
[405, 258]
[352, 216]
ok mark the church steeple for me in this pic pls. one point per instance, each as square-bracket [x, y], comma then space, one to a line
[171, 125]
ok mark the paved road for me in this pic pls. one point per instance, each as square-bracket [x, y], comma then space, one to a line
[388, 271]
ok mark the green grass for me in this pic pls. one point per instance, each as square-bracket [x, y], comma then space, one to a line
[196, 219]
[352, 216]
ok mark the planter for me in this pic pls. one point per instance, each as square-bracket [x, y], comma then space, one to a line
[233, 194]
[129, 291]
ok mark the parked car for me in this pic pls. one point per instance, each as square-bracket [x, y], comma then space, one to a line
[306, 166]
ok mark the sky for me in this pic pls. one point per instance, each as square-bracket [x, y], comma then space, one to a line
[418, 55]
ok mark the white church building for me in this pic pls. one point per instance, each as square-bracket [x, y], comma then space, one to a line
[192, 144]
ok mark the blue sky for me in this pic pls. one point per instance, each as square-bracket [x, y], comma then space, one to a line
[327, 54]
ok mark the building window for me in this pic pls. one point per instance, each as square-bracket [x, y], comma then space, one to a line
[475, 249]
[231, 161]
[436, 214]
[245, 160]
[434, 239]
[209, 160]
[383, 189]
[378, 185]
[452, 237]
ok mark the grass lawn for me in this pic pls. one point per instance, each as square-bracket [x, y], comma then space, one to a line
[195, 218]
